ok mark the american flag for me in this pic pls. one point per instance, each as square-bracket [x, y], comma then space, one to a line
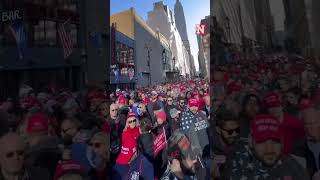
[186, 120]
[20, 37]
[66, 40]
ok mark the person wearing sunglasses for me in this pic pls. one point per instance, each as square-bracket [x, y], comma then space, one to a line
[12, 158]
[224, 140]
[131, 129]
[263, 157]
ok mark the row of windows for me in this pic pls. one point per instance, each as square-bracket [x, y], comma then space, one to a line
[46, 33]
[43, 33]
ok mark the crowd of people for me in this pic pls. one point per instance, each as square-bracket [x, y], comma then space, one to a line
[258, 120]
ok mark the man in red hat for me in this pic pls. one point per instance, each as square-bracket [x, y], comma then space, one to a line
[292, 127]
[194, 123]
[42, 149]
[69, 170]
[262, 158]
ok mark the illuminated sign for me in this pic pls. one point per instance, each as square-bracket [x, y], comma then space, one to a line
[11, 15]
[201, 29]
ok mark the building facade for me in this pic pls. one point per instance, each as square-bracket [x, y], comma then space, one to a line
[181, 26]
[162, 19]
[204, 49]
[36, 57]
[152, 59]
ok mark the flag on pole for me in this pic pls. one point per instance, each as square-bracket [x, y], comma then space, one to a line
[20, 37]
[65, 39]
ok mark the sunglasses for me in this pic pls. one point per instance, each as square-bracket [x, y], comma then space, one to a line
[231, 131]
[65, 130]
[132, 121]
[18, 153]
[181, 102]
[95, 145]
[113, 110]
[140, 107]
[169, 100]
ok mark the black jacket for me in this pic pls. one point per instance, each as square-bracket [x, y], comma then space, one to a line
[145, 145]
[311, 160]
[32, 173]
[46, 154]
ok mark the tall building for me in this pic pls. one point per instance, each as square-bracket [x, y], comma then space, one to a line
[162, 19]
[278, 17]
[302, 26]
[237, 19]
[152, 54]
[204, 49]
[181, 26]
[296, 24]
[264, 25]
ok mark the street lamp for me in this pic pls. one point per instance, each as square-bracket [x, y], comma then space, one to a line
[149, 50]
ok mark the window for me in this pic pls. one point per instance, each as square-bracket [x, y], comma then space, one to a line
[45, 33]
[51, 33]
[39, 33]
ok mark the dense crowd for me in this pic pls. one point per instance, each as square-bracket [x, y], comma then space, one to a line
[261, 124]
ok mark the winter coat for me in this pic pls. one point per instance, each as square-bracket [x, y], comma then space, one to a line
[145, 144]
[243, 165]
[311, 160]
[32, 173]
[138, 169]
[130, 133]
[115, 137]
[46, 154]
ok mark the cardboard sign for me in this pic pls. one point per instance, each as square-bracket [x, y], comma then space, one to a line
[159, 143]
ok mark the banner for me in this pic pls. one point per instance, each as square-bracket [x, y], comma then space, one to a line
[159, 143]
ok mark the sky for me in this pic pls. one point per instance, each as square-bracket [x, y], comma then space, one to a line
[194, 11]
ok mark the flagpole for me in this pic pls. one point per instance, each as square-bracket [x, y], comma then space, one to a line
[67, 21]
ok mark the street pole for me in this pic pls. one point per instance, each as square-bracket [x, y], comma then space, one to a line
[149, 50]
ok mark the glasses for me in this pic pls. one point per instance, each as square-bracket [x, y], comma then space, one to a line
[18, 153]
[231, 131]
[96, 145]
[113, 110]
[65, 130]
[181, 102]
[132, 121]
[169, 100]
[140, 107]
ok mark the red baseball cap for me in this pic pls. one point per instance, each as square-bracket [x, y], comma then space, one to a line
[306, 104]
[162, 115]
[37, 123]
[70, 166]
[265, 127]
[129, 147]
[131, 114]
[272, 100]
[233, 87]
[122, 100]
[194, 93]
[146, 100]
[193, 102]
